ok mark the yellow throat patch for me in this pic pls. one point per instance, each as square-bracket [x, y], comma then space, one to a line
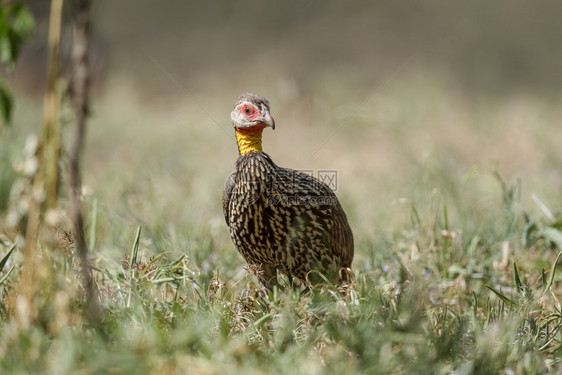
[248, 141]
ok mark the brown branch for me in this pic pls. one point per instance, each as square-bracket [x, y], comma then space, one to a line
[51, 137]
[80, 91]
[45, 182]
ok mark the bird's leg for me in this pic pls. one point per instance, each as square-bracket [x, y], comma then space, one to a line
[268, 277]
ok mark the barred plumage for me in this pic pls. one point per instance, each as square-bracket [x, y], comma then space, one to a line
[281, 219]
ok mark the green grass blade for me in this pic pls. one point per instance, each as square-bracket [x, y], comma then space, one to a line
[553, 235]
[471, 250]
[5, 277]
[445, 216]
[168, 279]
[516, 278]
[502, 296]
[105, 272]
[93, 225]
[134, 255]
[415, 217]
[135, 249]
[261, 321]
[543, 208]
[5, 258]
[155, 261]
[474, 304]
[552, 272]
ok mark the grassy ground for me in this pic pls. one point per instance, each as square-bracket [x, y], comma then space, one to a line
[454, 203]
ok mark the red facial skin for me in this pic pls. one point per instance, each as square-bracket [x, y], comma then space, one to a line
[251, 112]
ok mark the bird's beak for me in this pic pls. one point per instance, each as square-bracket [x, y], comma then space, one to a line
[266, 119]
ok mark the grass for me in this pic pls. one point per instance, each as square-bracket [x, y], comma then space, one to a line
[455, 268]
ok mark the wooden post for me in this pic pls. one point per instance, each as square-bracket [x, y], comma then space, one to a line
[80, 92]
[53, 100]
[45, 182]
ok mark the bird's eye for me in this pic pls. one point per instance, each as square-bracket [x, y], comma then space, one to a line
[248, 111]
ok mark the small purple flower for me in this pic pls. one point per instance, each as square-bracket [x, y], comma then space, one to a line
[386, 268]
[426, 272]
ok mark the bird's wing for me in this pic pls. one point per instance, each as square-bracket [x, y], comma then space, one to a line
[228, 186]
[336, 228]
[340, 236]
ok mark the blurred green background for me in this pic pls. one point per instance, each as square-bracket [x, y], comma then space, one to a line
[401, 98]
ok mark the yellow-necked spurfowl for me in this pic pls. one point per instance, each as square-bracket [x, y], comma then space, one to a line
[281, 220]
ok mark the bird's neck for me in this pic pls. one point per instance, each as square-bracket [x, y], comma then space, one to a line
[248, 140]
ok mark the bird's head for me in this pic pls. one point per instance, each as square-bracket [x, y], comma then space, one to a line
[251, 114]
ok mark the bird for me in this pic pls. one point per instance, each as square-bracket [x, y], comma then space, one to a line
[282, 221]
